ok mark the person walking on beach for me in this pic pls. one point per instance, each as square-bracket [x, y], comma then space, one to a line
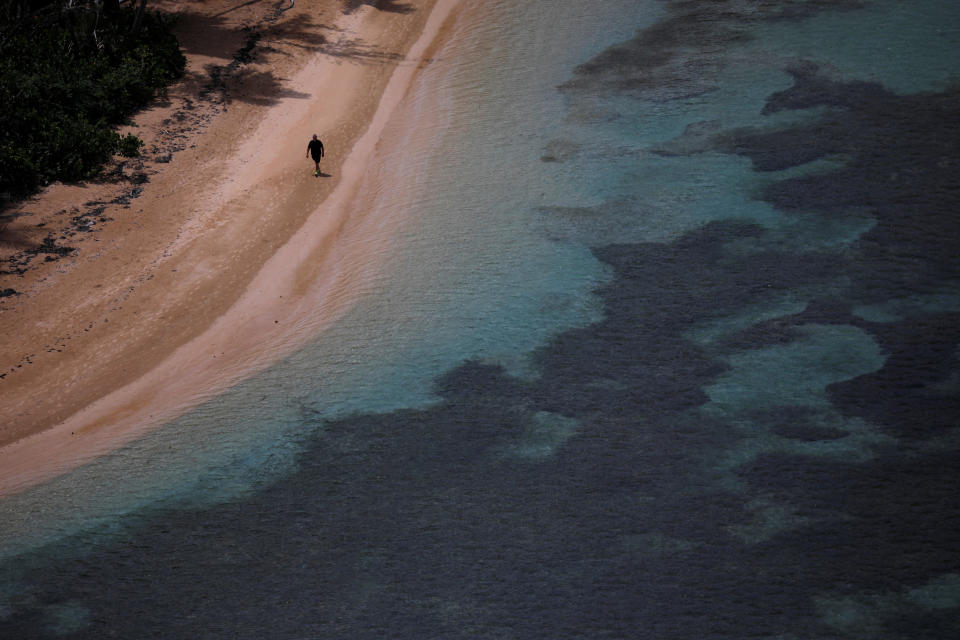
[315, 150]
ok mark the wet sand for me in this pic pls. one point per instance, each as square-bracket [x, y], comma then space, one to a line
[233, 254]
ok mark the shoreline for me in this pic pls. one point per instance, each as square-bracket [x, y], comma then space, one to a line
[274, 306]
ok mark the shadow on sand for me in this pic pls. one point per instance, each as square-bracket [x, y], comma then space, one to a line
[391, 6]
[216, 37]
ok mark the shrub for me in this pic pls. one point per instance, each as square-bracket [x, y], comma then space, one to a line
[63, 90]
[129, 146]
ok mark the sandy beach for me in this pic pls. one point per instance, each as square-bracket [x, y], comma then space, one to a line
[218, 252]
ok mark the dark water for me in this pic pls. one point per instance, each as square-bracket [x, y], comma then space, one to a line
[756, 437]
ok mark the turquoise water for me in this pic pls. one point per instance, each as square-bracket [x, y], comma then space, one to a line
[666, 348]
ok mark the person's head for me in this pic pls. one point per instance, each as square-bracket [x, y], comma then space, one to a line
[314, 136]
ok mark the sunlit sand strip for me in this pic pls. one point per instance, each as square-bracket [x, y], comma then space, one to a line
[304, 287]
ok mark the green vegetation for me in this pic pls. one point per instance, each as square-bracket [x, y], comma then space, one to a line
[70, 71]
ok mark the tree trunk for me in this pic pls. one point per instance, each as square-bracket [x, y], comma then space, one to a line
[138, 16]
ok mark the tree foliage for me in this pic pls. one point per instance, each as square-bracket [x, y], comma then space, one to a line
[70, 71]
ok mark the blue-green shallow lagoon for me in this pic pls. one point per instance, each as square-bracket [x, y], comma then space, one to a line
[668, 350]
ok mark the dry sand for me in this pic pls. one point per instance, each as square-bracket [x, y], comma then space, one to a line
[232, 255]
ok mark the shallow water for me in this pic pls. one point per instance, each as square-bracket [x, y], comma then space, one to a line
[667, 349]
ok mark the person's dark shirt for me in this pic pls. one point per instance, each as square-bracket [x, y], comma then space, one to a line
[316, 149]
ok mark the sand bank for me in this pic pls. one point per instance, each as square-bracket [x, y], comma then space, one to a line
[233, 255]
